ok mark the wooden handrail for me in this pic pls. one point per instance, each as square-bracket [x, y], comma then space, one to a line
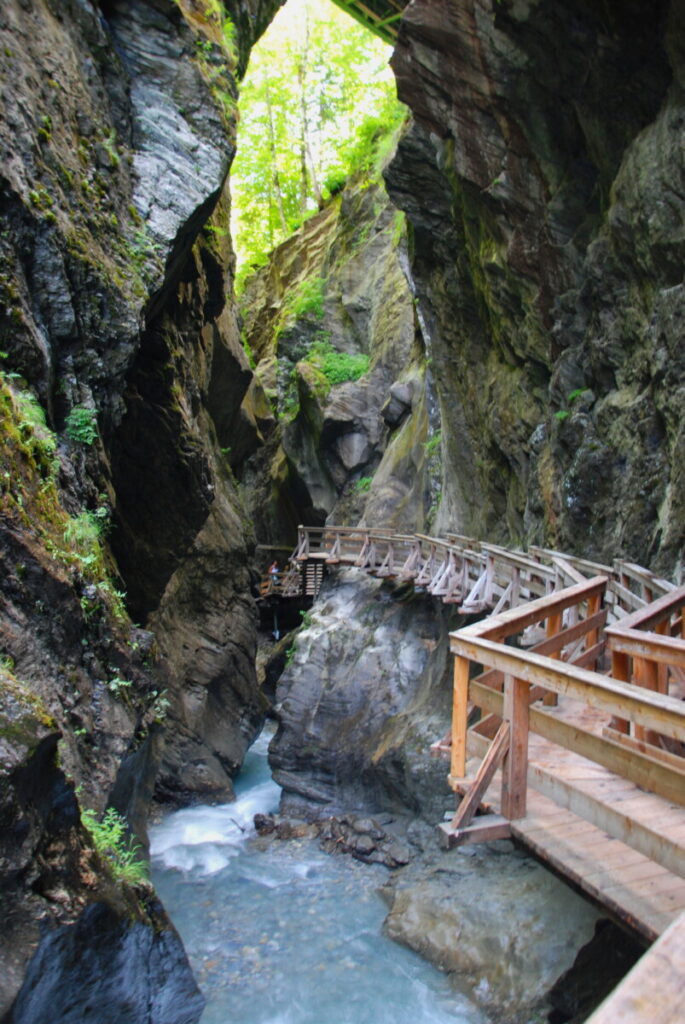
[652, 710]
[665, 650]
[514, 620]
[652, 614]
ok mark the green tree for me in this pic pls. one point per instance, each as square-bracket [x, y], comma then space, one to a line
[316, 98]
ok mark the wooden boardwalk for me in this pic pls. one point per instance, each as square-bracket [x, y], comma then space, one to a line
[568, 725]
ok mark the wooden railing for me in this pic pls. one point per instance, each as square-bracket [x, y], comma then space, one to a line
[476, 576]
[572, 616]
[647, 649]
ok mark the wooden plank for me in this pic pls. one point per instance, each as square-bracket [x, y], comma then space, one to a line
[653, 752]
[591, 568]
[566, 567]
[665, 777]
[609, 817]
[569, 856]
[663, 607]
[658, 711]
[652, 992]
[484, 829]
[668, 650]
[489, 765]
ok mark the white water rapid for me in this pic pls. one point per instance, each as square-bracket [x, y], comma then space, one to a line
[287, 935]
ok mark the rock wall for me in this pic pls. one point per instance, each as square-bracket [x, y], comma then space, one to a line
[347, 451]
[364, 695]
[122, 377]
[543, 181]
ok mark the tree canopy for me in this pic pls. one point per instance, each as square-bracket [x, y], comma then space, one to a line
[315, 102]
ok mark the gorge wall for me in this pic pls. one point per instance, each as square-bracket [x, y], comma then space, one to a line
[524, 383]
[122, 377]
[542, 177]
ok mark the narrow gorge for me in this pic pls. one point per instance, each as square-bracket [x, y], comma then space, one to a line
[476, 333]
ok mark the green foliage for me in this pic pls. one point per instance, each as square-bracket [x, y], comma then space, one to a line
[306, 619]
[118, 686]
[109, 143]
[82, 533]
[576, 393]
[363, 484]
[160, 705]
[306, 300]
[561, 415]
[432, 445]
[112, 840]
[337, 367]
[33, 426]
[81, 425]
[315, 106]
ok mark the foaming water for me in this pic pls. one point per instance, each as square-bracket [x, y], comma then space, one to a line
[287, 935]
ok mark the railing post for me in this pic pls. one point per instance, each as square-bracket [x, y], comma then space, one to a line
[620, 670]
[554, 623]
[593, 606]
[515, 766]
[460, 698]
[645, 674]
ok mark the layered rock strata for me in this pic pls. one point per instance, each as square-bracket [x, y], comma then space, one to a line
[543, 181]
[122, 378]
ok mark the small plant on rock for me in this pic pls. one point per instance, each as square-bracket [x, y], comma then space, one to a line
[112, 841]
[81, 425]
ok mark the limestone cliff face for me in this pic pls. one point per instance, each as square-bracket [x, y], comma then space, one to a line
[543, 179]
[117, 127]
[329, 448]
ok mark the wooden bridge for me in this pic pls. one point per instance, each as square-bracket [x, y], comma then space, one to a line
[568, 725]
[379, 16]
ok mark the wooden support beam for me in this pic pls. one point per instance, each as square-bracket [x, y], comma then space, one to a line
[484, 829]
[460, 699]
[620, 669]
[645, 674]
[488, 766]
[515, 767]
[554, 623]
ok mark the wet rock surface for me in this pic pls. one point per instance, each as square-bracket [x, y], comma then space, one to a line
[352, 448]
[106, 969]
[102, 951]
[114, 302]
[504, 928]
[364, 696]
[366, 839]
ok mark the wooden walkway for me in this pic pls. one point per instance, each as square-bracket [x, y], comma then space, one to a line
[568, 724]
[380, 16]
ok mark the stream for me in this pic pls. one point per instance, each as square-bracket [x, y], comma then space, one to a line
[287, 934]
